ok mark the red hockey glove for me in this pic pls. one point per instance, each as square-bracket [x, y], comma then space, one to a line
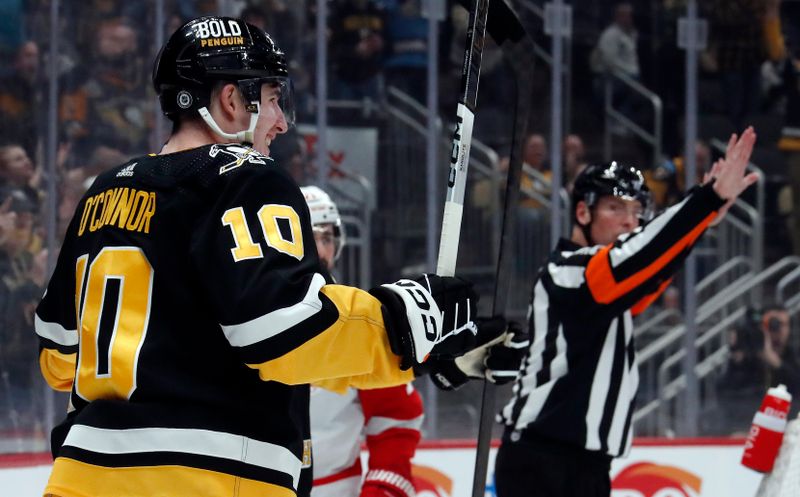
[385, 483]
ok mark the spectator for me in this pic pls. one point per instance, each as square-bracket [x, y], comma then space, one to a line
[22, 273]
[11, 25]
[255, 15]
[284, 23]
[617, 50]
[110, 108]
[20, 98]
[102, 159]
[774, 42]
[275, 17]
[533, 221]
[407, 63]
[667, 182]
[738, 37]
[535, 178]
[86, 17]
[760, 357]
[71, 189]
[357, 49]
[671, 300]
[536, 174]
[574, 157]
[18, 172]
[790, 140]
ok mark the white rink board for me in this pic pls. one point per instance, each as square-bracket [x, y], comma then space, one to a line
[23, 481]
[650, 471]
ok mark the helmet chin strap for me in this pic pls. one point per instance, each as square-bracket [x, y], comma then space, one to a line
[586, 229]
[587, 234]
[244, 136]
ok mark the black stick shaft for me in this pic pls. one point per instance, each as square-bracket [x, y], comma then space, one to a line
[518, 52]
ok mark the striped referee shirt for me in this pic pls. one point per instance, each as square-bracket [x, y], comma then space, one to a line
[578, 382]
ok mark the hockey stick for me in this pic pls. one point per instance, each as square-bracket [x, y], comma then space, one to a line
[462, 139]
[506, 29]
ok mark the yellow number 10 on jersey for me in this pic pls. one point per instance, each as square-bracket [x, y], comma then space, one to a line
[269, 216]
[112, 320]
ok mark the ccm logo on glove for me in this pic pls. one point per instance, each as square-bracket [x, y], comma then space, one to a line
[428, 316]
[428, 311]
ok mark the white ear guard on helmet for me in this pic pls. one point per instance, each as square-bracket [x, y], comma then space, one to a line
[251, 93]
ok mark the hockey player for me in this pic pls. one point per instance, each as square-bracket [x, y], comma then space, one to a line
[389, 417]
[186, 313]
[572, 405]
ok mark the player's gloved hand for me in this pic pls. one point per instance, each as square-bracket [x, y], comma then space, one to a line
[372, 490]
[429, 315]
[386, 483]
[496, 359]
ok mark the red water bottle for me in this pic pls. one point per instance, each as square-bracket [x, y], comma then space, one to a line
[766, 433]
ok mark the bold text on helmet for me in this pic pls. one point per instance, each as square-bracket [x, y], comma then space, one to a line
[215, 28]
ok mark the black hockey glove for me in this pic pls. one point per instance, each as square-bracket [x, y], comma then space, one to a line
[428, 316]
[497, 360]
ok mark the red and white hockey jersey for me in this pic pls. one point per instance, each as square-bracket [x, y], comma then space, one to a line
[389, 417]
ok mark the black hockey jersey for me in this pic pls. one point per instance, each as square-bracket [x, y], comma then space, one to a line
[186, 314]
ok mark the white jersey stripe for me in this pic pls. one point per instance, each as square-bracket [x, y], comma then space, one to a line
[567, 276]
[533, 406]
[628, 386]
[379, 424]
[187, 441]
[276, 322]
[559, 367]
[600, 386]
[623, 404]
[618, 255]
[537, 393]
[540, 319]
[55, 332]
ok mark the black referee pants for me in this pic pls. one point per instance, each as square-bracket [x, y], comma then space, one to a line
[550, 469]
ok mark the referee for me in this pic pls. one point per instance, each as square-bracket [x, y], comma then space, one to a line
[571, 409]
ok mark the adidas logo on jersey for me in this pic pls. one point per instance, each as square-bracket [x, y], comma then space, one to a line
[126, 171]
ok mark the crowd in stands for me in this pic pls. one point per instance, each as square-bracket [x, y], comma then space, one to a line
[106, 110]
[762, 355]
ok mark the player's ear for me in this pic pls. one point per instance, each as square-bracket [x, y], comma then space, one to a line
[228, 100]
[582, 213]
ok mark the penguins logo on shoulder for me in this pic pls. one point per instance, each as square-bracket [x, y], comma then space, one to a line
[239, 154]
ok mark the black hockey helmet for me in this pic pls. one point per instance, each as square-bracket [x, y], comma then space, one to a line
[614, 179]
[211, 49]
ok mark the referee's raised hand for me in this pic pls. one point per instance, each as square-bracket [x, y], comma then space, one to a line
[728, 174]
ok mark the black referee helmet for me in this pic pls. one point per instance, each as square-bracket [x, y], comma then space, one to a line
[612, 179]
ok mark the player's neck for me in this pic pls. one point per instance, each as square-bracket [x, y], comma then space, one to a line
[190, 135]
[578, 237]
